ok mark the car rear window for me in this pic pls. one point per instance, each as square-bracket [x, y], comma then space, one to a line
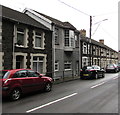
[111, 65]
[89, 68]
[4, 74]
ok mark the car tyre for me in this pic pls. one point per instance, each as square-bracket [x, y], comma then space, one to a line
[96, 76]
[116, 70]
[103, 75]
[48, 87]
[15, 94]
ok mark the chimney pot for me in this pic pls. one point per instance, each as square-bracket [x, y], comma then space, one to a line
[101, 41]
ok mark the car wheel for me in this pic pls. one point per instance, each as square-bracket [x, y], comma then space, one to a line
[115, 70]
[103, 75]
[15, 94]
[48, 87]
[96, 76]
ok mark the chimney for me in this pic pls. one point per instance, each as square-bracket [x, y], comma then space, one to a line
[83, 33]
[101, 41]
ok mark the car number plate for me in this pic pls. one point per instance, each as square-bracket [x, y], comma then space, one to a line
[85, 74]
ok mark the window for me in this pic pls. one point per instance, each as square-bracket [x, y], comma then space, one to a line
[76, 41]
[20, 74]
[56, 36]
[69, 38]
[72, 43]
[66, 37]
[33, 74]
[38, 40]
[56, 65]
[84, 61]
[4, 74]
[20, 36]
[38, 63]
[67, 65]
[19, 62]
[84, 48]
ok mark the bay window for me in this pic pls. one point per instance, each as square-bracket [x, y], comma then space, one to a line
[69, 38]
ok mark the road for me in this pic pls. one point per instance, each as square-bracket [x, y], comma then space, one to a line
[78, 96]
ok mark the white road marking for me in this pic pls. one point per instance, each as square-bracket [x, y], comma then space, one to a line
[51, 102]
[115, 77]
[97, 85]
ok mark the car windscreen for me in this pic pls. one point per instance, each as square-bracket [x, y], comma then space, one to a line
[4, 74]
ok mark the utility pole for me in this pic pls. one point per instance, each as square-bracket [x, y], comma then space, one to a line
[90, 26]
[90, 41]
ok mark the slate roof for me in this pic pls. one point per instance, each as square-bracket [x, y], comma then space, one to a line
[96, 43]
[58, 22]
[17, 16]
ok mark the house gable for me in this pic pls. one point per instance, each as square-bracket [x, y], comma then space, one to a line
[41, 19]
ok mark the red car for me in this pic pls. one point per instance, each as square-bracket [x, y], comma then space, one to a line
[19, 81]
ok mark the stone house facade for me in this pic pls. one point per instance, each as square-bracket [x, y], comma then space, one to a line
[25, 42]
[96, 53]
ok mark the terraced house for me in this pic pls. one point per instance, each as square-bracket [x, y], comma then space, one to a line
[96, 53]
[65, 45]
[25, 43]
[30, 39]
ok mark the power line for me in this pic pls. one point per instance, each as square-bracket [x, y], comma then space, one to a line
[114, 12]
[108, 33]
[74, 8]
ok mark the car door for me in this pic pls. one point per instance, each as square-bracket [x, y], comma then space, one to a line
[21, 79]
[99, 71]
[38, 81]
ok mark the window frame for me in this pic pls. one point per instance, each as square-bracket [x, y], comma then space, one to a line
[30, 71]
[84, 48]
[41, 39]
[56, 36]
[68, 63]
[25, 71]
[66, 38]
[38, 61]
[21, 33]
[57, 64]
[25, 35]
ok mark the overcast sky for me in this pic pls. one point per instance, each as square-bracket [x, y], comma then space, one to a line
[78, 12]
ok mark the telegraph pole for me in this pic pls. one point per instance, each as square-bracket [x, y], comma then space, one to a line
[90, 25]
[90, 41]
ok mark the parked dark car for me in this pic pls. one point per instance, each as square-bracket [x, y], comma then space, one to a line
[20, 81]
[112, 68]
[92, 72]
[118, 66]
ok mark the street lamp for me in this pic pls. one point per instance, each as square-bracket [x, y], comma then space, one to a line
[98, 25]
[91, 35]
[100, 21]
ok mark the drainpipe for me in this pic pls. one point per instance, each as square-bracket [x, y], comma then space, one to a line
[79, 54]
[53, 50]
[14, 48]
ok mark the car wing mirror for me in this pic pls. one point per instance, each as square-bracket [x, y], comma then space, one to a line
[40, 75]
